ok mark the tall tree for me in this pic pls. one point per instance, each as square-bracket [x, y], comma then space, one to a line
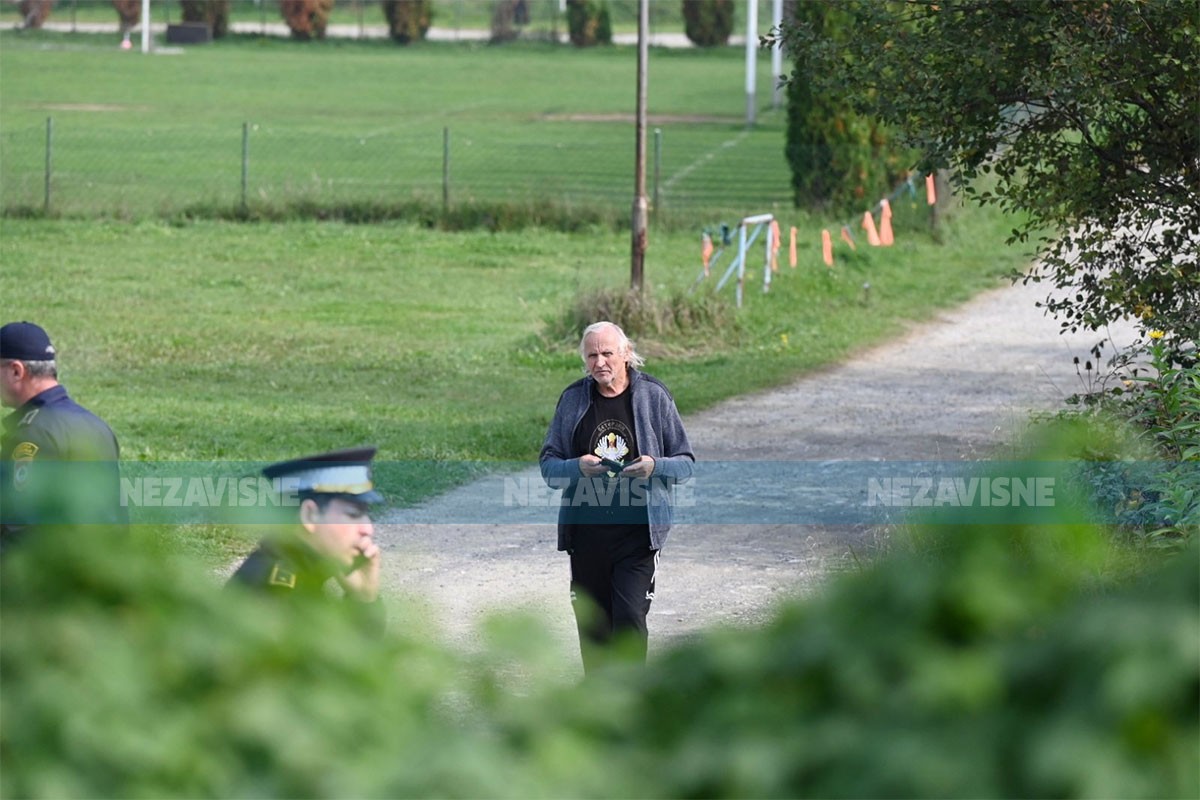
[1086, 115]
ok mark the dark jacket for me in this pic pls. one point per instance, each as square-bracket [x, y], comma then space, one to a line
[59, 464]
[293, 573]
[660, 435]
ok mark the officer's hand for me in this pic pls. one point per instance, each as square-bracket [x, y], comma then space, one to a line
[362, 582]
[642, 468]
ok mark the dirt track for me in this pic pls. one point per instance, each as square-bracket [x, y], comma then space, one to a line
[955, 388]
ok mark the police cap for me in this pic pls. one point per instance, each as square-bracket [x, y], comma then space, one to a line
[24, 341]
[345, 473]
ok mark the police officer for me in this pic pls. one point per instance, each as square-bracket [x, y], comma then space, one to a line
[58, 461]
[331, 538]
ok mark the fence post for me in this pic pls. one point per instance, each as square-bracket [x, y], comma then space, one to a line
[49, 162]
[445, 170]
[657, 165]
[245, 161]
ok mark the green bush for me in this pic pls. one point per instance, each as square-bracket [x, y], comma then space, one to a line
[1014, 660]
[589, 22]
[307, 19]
[1140, 446]
[840, 161]
[214, 12]
[996, 667]
[698, 318]
[408, 20]
[708, 23]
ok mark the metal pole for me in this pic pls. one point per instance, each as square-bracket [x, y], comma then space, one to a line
[741, 257]
[657, 166]
[751, 54]
[638, 259]
[145, 26]
[49, 162]
[245, 161]
[445, 170]
[776, 56]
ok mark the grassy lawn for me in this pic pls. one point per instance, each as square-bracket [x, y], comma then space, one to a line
[335, 122]
[223, 340]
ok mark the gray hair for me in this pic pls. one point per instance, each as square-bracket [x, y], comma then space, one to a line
[40, 369]
[632, 358]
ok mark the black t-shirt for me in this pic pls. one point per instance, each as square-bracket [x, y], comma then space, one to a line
[607, 430]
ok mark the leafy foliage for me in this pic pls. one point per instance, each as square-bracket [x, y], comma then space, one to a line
[214, 12]
[408, 20]
[680, 322]
[988, 661]
[839, 159]
[306, 19]
[1085, 113]
[708, 23]
[589, 22]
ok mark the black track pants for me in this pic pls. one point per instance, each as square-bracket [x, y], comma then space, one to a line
[612, 584]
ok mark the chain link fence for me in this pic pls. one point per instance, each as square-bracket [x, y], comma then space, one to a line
[75, 165]
[98, 164]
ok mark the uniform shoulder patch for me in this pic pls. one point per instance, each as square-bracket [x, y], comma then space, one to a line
[282, 577]
[24, 450]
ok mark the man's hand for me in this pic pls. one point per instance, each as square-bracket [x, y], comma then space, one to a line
[642, 468]
[591, 466]
[362, 581]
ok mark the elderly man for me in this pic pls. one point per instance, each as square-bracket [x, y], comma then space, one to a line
[331, 538]
[616, 446]
[58, 461]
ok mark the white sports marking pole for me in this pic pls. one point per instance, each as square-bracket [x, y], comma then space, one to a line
[145, 26]
[751, 53]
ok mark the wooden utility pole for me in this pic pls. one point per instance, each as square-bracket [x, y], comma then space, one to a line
[640, 205]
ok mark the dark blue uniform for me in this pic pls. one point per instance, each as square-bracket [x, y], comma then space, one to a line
[58, 465]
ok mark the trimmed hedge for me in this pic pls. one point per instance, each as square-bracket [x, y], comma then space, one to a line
[708, 23]
[408, 20]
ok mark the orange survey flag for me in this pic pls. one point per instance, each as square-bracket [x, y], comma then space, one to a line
[792, 248]
[930, 190]
[775, 246]
[706, 250]
[868, 224]
[847, 238]
[885, 224]
[827, 247]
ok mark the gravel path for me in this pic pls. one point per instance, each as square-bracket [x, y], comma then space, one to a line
[958, 387]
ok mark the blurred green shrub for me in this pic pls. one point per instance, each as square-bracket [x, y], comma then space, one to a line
[408, 20]
[708, 23]
[589, 22]
[677, 323]
[1003, 660]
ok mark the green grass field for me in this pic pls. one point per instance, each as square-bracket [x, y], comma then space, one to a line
[339, 122]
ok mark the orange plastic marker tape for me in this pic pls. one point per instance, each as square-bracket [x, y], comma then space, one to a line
[827, 247]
